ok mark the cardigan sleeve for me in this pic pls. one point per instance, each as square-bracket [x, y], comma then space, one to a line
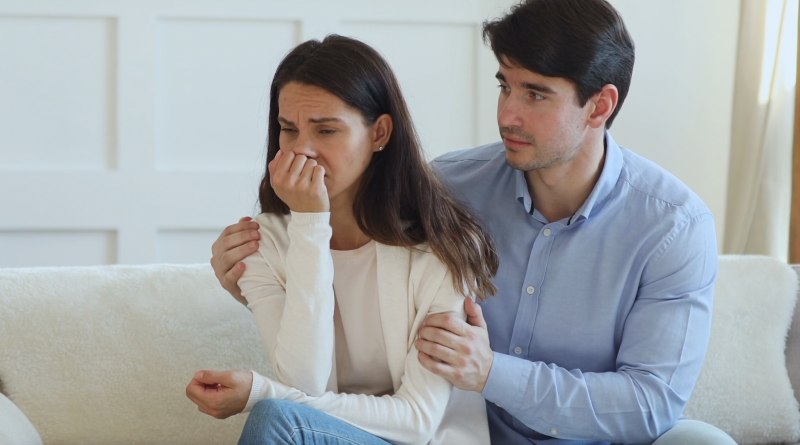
[410, 416]
[295, 316]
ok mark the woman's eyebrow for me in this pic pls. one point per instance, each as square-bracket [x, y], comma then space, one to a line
[319, 120]
[322, 120]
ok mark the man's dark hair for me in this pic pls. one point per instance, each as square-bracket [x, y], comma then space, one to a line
[583, 41]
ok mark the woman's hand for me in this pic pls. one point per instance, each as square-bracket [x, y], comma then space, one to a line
[299, 182]
[220, 394]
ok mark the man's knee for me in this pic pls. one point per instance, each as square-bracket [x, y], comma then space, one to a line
[694, 432]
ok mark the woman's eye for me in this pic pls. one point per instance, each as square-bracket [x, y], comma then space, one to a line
[284, 129]
[327, 131]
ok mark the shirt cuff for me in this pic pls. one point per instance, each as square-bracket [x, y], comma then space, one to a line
[503, 386]
[311, 218]
[255, 392]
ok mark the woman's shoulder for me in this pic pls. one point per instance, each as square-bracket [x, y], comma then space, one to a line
[424, 265]
[273, 228]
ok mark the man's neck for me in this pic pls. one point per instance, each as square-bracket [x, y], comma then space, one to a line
[559, 191]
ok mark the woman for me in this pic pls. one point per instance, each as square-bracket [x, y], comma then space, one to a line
[359, 243]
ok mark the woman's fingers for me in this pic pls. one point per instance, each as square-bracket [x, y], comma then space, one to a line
[299, 182]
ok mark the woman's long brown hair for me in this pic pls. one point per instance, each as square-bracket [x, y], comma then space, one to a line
[400, 201]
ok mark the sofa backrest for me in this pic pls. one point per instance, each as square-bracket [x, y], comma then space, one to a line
[100, 355]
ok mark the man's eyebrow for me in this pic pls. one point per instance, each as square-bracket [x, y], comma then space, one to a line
[528, 85]
[538, 87]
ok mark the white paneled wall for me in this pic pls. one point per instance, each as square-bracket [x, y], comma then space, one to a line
[133, 131]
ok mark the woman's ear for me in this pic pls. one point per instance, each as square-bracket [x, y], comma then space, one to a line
[382, 132]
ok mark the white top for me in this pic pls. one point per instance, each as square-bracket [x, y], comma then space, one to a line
[288, 284]
[361, 364]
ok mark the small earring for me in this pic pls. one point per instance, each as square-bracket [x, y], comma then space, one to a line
[380, 148]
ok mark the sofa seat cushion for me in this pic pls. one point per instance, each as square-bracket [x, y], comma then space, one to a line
[100, 355]
[744, 387]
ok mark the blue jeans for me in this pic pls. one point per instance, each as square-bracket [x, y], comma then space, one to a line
[275, 421]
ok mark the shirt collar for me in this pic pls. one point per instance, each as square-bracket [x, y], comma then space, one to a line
[612, 167]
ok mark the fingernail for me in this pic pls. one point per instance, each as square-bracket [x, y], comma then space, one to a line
[279, 153]
[199, 375]
[254, 235]
[251, 244]
[254, 225]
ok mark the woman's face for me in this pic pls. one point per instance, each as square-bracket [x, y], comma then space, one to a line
[321, 126]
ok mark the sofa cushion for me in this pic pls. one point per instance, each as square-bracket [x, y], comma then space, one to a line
[101, 355]
[744, 387]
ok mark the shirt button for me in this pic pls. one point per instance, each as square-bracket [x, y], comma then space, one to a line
[518, 350]
[554, 431]
[530, 290]
[546, 232]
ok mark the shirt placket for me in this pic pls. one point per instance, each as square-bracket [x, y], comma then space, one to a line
[530, 293]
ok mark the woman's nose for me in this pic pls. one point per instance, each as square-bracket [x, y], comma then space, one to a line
[304, 146]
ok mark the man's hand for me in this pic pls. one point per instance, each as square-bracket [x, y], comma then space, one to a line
[457, 350]
[299, 182]
[220, 394]
[234, 244]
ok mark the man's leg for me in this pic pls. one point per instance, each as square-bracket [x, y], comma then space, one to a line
[287, 423]
[694, 432]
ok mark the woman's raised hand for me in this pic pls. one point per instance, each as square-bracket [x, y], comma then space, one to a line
[299, 182]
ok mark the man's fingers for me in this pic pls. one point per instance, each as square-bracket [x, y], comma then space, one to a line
[440, 336]
[238, 239]
[474, 313]
[234, 255]
[438, 368]
[441, 353]
[447, 322]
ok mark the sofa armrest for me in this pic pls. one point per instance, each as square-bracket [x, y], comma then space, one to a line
[15, 428]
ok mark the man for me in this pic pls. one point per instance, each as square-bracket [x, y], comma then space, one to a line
[608, 262]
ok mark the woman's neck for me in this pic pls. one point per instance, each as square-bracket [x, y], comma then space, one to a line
[346, 233]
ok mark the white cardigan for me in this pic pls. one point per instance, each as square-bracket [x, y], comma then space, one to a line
[288, 284]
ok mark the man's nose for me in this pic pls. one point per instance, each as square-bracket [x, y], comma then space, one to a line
[509, 113]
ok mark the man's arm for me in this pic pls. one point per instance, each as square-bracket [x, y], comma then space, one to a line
[664, 342]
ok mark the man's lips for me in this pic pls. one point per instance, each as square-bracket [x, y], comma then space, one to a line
[514, 143]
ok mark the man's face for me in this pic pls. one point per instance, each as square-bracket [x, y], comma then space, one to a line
[540, 120]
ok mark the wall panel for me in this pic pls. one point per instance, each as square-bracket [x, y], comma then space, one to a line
[57, 93]
[52, 248]
[213, 80]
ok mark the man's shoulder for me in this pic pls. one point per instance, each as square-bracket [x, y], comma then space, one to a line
[484, 153]
[465, 165]
[654, 182]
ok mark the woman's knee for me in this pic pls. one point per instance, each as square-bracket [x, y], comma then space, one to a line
[273, 408]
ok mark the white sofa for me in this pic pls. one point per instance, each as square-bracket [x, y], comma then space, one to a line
[101, 355]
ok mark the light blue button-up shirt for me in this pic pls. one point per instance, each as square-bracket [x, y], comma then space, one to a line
[602, 319]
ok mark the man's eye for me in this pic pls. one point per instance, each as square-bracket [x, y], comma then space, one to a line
[504, 88]
[537, 96]
[327, 131]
